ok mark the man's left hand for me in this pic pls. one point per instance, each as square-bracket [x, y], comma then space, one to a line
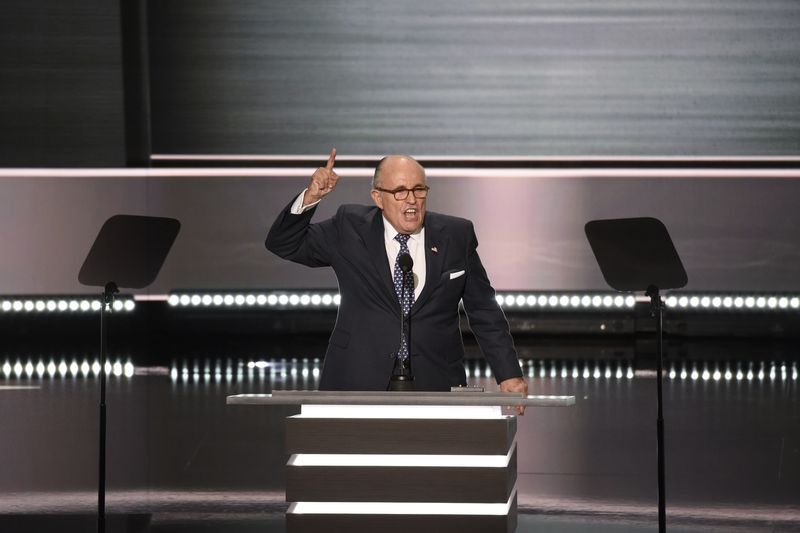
[515, 385]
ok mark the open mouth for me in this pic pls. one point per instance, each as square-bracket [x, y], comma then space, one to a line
[410, 213]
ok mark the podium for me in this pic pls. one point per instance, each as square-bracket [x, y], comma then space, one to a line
[401, 461]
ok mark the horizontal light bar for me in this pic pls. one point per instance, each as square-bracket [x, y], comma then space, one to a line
[565, 301]
[403, 508]
[401, 411]
[61, 305]
[622, 172]
[273, 299]
[774, 371]
[576, 370]
[303, 373]
[403, 460]
[733, 302]
[508, 300]
[63, 369]
[480, 158]
[328, 299]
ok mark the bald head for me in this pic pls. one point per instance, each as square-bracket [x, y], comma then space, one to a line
[399, 190]
[396, 163]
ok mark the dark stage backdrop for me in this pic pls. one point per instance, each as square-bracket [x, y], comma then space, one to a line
[485, 77]
[733, 234]
[61, 97]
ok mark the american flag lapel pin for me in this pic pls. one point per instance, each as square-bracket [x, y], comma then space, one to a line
[434, 249]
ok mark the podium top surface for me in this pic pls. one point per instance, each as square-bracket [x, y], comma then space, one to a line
[399, 398]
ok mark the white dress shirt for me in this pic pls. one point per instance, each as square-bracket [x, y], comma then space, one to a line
[416, 245]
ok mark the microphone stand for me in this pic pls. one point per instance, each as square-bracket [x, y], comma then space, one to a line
[402, 376]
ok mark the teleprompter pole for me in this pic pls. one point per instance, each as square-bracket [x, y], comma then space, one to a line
[107, 304]
[657, 311]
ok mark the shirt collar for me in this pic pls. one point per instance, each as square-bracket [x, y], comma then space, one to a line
[389, 232]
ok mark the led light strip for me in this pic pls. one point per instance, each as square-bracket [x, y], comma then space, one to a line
[733, 302]
[585, 372]
[398, 508]
[400, 411]
[772, 372]
[278, 299]
[508, 300]
[61, 305]
[623, 172]
[302, 370]
[321, 299]
[563, 301]
[410, 460]
[315, 159]
[62, 369]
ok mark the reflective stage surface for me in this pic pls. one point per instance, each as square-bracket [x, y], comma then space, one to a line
[180, 460]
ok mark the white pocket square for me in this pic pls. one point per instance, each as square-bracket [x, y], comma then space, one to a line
[454, 275]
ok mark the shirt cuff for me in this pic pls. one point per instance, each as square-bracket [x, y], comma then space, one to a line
[297, 206]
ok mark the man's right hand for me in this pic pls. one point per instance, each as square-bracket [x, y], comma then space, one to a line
[323, 181]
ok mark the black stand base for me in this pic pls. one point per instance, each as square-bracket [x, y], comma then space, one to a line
[401, 383]
[402, 376]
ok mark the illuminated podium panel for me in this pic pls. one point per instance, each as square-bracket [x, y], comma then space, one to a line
[401, 461]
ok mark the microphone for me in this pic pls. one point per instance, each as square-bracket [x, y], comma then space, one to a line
[402, 376]
[406, 264]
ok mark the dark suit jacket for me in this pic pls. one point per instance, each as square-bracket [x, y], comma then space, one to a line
[364, 342]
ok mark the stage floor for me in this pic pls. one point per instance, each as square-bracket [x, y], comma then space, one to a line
[180, 459]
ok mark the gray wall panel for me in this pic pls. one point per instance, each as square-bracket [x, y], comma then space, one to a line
[476, 77]
[733, 234]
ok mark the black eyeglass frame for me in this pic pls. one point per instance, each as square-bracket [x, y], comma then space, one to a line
[415, 190]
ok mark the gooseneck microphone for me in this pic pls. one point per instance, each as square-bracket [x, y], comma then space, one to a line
[402, 376]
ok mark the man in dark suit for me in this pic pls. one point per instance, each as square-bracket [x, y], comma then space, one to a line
[363, 244]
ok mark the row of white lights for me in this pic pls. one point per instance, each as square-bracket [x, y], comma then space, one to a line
[61, 305]
[39, 369]
[507, 300]
[772, 371]
[566, 301]
[733, 302]
[327, 299]
[51, 369]
[331, 300]
[775, 371]
[218, 374]
[311, 370]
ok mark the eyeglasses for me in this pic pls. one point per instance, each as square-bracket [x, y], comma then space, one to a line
[402, 193]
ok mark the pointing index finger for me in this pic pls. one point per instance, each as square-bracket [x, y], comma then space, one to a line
[331, 159]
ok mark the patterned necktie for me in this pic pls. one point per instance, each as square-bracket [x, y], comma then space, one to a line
[407, 301]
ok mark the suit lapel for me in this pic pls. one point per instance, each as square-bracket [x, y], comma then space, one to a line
[435, 249]
[372, 233]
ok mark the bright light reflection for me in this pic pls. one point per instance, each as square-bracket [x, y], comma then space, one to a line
[391, 508]
[400, 411]
[408, 460]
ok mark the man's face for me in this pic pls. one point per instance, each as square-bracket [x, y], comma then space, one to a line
[401, 173]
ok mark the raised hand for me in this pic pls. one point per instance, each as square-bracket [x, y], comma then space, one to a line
[323, 181]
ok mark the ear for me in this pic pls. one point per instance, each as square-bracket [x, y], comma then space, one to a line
[377, 198]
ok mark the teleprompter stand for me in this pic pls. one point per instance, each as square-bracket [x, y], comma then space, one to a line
[637, 254]
[128, 252]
